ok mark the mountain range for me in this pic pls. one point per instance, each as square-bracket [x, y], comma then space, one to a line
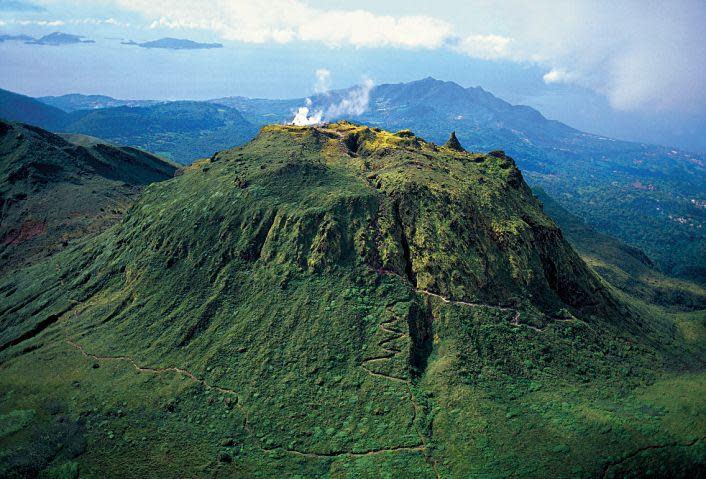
[649, 196]
[338, 301]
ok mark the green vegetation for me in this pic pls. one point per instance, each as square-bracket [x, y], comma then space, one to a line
[180, 131]
[54, 191]
[344, 302]
[645, 195]
[623, 266]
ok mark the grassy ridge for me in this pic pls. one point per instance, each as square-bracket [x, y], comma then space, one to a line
[54, 191]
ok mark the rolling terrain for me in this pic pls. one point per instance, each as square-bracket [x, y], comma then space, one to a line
[54, 190]
[179, 131]
[340, 301]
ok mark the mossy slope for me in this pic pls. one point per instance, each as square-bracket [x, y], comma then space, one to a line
[335, 301]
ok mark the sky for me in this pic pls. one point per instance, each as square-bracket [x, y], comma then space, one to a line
[627, 69]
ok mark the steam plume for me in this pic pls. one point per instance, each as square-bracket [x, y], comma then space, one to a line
[355, 102]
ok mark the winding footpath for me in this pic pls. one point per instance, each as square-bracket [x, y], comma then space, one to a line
[246, 422]
[390, 335]
[390, 351]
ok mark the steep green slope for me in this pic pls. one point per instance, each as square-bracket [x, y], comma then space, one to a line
[622, 265]
[53, 191]
[16, 107]
[340, 302]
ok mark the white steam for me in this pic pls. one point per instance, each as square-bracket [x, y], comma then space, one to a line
[303, 118]
[355, 102]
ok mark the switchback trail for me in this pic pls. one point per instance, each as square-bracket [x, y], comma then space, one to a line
[390, 352]
[246, 422]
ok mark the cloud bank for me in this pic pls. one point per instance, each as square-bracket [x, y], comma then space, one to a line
[639, 54]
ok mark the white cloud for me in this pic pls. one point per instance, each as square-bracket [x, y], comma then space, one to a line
[487, 47]
[323, 80]
[98, 21]
[640, 55]
[558, 75]
[41, 23]
[61, 23]
[361, 28]
[284, 21]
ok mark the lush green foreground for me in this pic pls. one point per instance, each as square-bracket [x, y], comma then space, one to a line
[342, 302]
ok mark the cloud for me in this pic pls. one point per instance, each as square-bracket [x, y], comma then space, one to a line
[486, 47]
[361, 28]
[283, 21]
[98, 21]
[41, 23]
[323, 80]
[642, 55]
[60, 23]
[558, 75]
